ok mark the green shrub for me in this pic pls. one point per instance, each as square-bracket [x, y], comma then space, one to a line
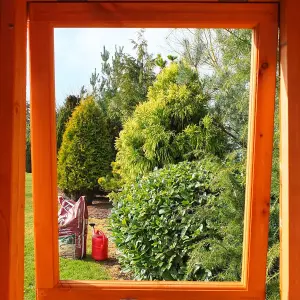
[64, 113]
[172, 126]
[159, 220]
[110, 183]
[86, 150]
[28, 167]
[273, 272]
[219, 253]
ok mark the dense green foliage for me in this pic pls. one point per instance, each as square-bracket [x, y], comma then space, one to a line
[123, 82]
[227, 54]
[149, 139]
[120, 86]
[235, 45]
[28, 140]
[182, 114]
[172, 126]
[63, 115]
[229, 85]
[274, 245]
[163, 220]
[28, 167]
[220, 251]
[86, 151]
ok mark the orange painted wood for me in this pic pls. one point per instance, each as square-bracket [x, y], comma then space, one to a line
[163, 15]
[259, 158]
[198, 1]
[159, 285]
[260, 17]
[290, 149]
[147, 290]
[12, 151]
[87, 293]
[43, 141]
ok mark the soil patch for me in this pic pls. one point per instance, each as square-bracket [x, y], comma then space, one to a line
[99, 215]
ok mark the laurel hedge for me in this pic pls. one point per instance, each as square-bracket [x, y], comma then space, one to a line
[162, 221]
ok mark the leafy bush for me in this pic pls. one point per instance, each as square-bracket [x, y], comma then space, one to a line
[172, 126]
[159, 221]
[86, 150]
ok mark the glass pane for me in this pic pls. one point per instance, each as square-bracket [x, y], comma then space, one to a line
[152, 131]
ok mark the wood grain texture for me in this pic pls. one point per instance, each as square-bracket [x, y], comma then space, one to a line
[189, 1]
[43, 144]
[149, 15]
[262, 18]
[290, 149]
[70, 293]
[259, 158]
[12, 151]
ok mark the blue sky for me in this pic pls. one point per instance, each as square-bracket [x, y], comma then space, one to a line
[77, 53]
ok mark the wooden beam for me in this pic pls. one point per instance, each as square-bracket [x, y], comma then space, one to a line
[43, 142]
[133, 15]
[43, 18]
[12, 151]
[290, 150]
[203, 1]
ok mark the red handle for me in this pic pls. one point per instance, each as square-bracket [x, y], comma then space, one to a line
[100, 233]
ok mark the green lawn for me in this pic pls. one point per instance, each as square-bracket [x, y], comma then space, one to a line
[69, 269]
[29, 288]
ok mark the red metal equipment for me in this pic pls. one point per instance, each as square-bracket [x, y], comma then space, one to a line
[99, 245]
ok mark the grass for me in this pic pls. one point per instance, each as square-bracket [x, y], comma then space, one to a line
[86, 269]
[29, 285]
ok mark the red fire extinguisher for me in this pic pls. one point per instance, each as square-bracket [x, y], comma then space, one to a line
[99, 244]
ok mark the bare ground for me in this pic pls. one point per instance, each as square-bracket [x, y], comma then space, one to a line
[98, 214]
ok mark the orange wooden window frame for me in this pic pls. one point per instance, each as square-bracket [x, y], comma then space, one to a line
[44, 17]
